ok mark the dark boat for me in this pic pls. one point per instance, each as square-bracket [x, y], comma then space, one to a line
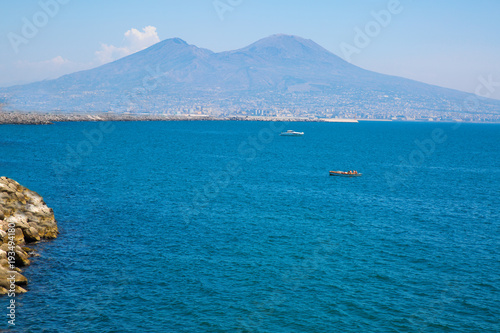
[345, 174]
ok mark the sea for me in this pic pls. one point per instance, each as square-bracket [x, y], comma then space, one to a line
[226, 226]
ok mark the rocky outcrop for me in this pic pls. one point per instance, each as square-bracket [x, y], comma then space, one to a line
[24, 219]
[38, 118]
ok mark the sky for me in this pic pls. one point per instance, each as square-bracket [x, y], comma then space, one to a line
[453, 44]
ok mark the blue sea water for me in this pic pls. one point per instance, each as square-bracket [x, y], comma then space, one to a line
[228, 227]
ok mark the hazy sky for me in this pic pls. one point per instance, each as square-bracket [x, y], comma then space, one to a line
[448, 43]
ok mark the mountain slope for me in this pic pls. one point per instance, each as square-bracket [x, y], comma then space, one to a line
[277, 72]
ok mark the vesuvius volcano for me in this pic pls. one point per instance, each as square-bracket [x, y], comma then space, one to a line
[280, 72]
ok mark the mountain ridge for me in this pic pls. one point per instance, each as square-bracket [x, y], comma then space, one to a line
[277, 72]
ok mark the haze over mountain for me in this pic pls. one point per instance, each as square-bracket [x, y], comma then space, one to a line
[281, 73]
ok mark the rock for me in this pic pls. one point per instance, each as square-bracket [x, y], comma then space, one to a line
[22, 258]
[21, 280]
[19, 290]
[6, 188]
[21, 198]
[17, 278]
[31, 235]
[50, 233]
[31, 252]
[20, 220]
[32, 221]
[19, 237]
[12, 187]
[4, 264]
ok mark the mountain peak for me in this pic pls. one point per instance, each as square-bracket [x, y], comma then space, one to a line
[281, 35]
[172, 47]
[283, 46]
[175, 40]
[284, 40]
[169, 43]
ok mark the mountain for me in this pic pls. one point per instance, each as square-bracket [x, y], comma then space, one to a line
[280, 73]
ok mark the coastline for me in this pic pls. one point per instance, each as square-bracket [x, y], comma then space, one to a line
[25, 219]
[35, 118]
[38, 118]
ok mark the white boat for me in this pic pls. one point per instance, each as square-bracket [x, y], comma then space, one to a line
[291, 133]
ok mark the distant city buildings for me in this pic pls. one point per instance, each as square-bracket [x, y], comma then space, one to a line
[363, 106]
